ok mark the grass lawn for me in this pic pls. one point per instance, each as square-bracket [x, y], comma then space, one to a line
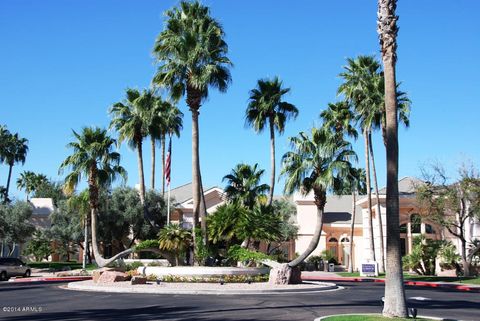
[366, 318]
[426, 278]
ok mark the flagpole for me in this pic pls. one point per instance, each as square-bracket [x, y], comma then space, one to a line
[169, 178]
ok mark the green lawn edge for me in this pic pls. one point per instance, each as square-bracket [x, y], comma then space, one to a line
[424, 278]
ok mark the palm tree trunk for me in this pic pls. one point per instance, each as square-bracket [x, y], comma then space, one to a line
[272, 161]
[152, 179]
[381, 258]
[163, 164]
[203, 212]
[141, 177]
[369, 197]
[93, 192]
[352, 228]
[395, 304]
[195, 175]
[320, 200]
[10, 167]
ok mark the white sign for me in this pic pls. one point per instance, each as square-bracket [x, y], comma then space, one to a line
[369, 268]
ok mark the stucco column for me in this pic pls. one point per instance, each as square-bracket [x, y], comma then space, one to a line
[409, 237]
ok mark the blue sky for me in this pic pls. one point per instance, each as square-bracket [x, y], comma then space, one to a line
[63, 63]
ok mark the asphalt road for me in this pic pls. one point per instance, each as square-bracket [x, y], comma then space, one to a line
[49, 302]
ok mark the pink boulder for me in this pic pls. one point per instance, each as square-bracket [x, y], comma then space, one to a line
[112, 276]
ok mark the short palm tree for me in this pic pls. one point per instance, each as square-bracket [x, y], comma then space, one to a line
[130, 120]
[319, 163]
[93, 158]
[243, 185]
[30, 181]
[175, 239]
[267, 107]
[192, 56]
[15, 151]
[395, 303]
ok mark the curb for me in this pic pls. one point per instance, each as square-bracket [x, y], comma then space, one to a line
[51, 279]
[452, 286]
[375, 314]
[113, 289]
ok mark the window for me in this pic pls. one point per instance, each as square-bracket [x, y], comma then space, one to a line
[333, 240]
[345, 240]
[429, 229]
[403, 228]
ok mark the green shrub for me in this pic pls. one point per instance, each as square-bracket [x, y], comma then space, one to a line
[422, 257]
[147, 244]
[329, 256]
[448, 256]
[217, 279]
[133, 266]
[238, 253]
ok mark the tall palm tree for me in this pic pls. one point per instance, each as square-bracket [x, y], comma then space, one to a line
[30, 181]
[358, 75]
[266, 106]
[15, 151]
[93, 158]
[339, 118]
[154, 125]
[172, 124]
[354, 184]
[243, 185]
[395, 304]
[319, 163]
[192, 56]
[130, 120]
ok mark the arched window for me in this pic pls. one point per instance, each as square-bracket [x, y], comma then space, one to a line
[416, 221]
[429, 229]
[403, 229]
[345, 240]
[333, 240]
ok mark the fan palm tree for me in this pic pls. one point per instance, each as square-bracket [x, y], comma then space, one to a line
[15, 151]
[243, 185]
[130, 120]
[319, 163]
[192, 56]
[339, 118]
[29, 181]
[94, 159]
[266, 106]
[354, 184]
[172, 124]
[176, 239]
[359, 75]
[395, 304]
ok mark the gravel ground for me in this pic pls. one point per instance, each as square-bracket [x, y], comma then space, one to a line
[198, 288]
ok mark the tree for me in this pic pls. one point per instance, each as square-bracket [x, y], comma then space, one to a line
[130, 120]
[4, 138]
[30, 181]
[395, 304]
[288, 228]
[358, 76]
[16, 226]
[339, 118]
[39, 246]
[266, 106]
[243, 185]
[94, 159]
[50, 189]
[453, 206]
[316, 164]
[15, 151]
[175, 239]
[171, 123]
[192, 56]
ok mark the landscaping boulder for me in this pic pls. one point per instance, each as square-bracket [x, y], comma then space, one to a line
[138, 280]
[112, 276]
[97, 273]
[284, 274]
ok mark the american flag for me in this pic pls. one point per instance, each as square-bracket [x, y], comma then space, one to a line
[168, 162]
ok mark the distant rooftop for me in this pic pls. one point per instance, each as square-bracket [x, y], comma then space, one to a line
[406, 186]
[42, 206]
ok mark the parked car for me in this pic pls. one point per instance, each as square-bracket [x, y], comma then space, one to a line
[10, 266]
